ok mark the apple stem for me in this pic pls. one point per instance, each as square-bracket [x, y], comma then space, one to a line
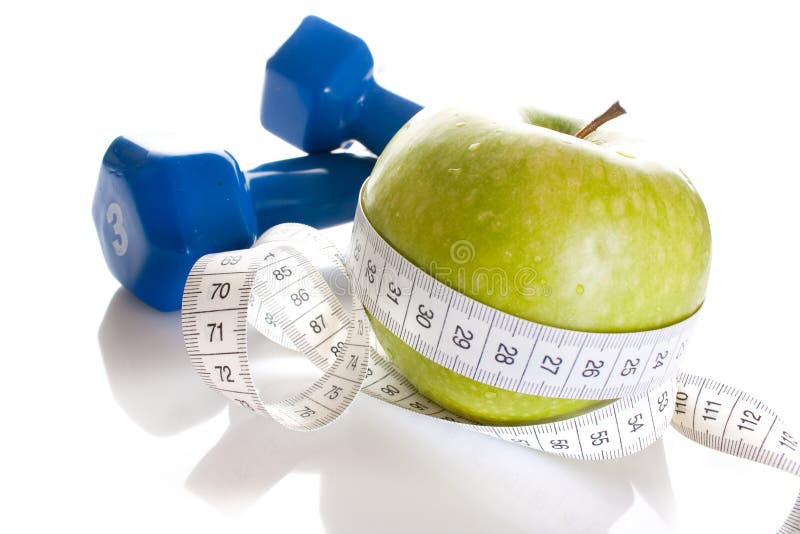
[611, 113]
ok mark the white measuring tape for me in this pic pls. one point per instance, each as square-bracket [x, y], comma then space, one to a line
[278, 289]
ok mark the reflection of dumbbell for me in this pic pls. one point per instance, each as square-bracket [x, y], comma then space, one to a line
[156, 214]
[319, 92]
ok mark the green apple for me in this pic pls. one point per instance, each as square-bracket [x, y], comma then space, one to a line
[605, 241]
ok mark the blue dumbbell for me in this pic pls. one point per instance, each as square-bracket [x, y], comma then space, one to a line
[156, 213]
[319, 92]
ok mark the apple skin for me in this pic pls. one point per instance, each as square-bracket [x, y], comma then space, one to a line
[607, 242]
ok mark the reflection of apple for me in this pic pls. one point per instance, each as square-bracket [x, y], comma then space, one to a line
[605, 241]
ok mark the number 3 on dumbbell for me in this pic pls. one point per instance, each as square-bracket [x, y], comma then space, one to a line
[114, 218]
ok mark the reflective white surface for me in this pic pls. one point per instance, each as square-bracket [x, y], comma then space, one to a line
[105, 427]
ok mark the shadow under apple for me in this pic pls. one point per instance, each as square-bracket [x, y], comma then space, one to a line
[386, 470]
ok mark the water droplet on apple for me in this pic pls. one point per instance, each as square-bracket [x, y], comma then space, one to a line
[483, 215]
[618, 206]
[537, 259]
[597, 207]
[460, 124]
[473, 147]
[454, 171]
[490, 394]
[579, 289]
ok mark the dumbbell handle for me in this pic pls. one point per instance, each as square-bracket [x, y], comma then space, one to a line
[380, 115]
[320, 190]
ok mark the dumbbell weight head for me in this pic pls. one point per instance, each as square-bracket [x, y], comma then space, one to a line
[319, 92]
[157, 213]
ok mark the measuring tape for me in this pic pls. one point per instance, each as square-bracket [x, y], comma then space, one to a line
[278, 288]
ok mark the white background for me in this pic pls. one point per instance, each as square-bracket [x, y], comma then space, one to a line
[104, 426]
